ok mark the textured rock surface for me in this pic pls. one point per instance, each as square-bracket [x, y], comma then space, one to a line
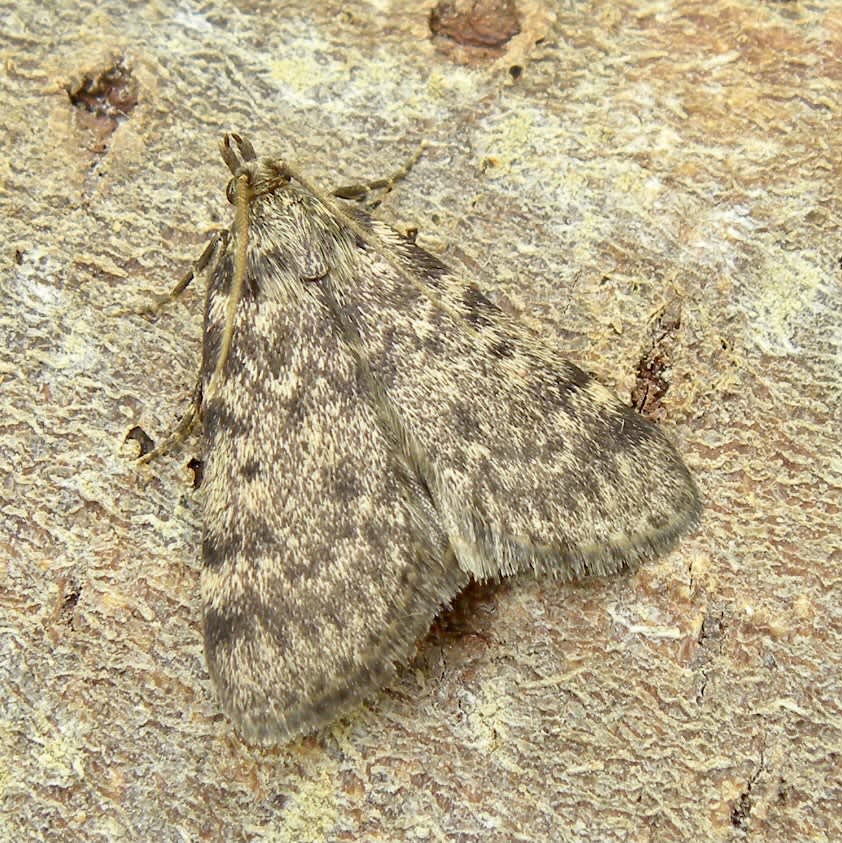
[656, 185]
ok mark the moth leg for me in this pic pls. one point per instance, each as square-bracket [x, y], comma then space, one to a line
[216, 247]
[361, 192]
[180, 432]
[161, 300]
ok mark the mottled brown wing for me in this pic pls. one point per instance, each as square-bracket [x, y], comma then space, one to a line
[531, 463]
[322, 566]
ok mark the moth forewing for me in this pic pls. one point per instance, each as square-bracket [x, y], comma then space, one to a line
[322, 564]
[531, 462]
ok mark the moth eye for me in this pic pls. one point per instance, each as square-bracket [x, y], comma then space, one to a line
[277, 170]
[231, 192]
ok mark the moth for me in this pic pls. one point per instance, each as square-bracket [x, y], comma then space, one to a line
[377, 432]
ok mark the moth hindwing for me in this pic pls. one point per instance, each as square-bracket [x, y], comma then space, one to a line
[377, 432]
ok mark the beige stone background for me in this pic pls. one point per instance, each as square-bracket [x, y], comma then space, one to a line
[654, 184]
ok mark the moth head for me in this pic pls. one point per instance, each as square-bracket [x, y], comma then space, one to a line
[263, 174]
